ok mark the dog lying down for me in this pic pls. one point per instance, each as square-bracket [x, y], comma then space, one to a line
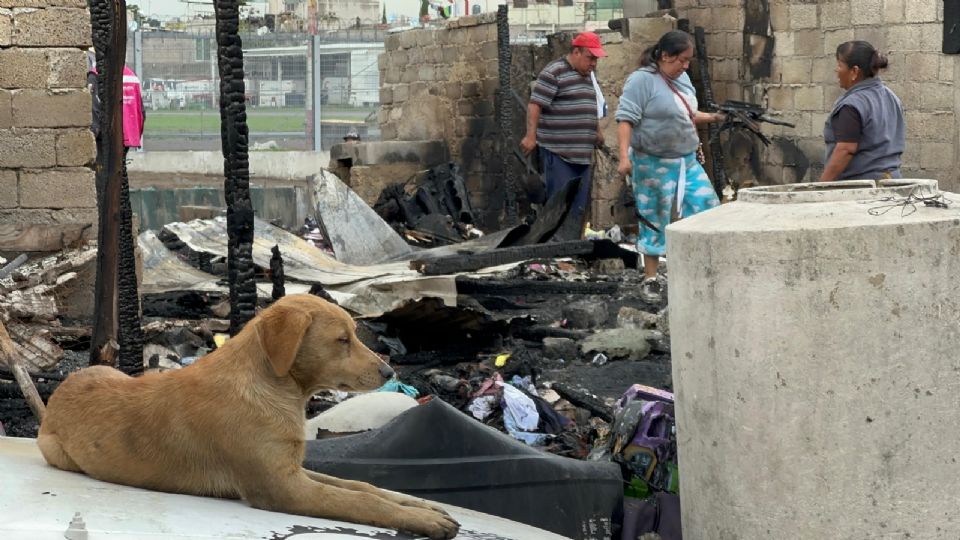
[231, 425]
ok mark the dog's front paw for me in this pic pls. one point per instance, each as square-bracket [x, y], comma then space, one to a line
[419, 503]
[437, 525]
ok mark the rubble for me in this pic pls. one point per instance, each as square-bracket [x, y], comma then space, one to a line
[619, 343]
[585, 314]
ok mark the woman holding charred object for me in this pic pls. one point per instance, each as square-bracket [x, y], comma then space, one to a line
[660, 151]
[865, 133]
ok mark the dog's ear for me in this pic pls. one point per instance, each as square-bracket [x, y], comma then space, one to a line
[281, 332]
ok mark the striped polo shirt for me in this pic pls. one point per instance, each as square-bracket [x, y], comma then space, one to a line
[568, 118]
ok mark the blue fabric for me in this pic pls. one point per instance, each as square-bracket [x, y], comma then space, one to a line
[557, 173]
[655, 181]
[394, 385]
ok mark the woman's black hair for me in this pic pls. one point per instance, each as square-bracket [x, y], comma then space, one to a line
[672, 43]
[862, 55]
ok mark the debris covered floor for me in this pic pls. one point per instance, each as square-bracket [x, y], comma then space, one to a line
[577, 330]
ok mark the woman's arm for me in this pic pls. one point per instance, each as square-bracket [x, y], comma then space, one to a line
[708, 117]
[624, 134]
[842, 154]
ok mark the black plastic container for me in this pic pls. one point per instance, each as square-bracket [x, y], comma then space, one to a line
[436, 452]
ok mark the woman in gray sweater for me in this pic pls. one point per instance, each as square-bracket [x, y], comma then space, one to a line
[660, 148]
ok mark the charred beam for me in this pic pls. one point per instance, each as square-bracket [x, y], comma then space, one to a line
[464, 263]
[537, 333]
[527, 287]
[584, 400]
[588, 249]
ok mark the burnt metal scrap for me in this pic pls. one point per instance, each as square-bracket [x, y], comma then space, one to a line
[748, 117]
[234, 139]
[435, 209]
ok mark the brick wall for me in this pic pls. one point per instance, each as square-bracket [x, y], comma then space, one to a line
[801, 82]
[441, 84]
[46, 147]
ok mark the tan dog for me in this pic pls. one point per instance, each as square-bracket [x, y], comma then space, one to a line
[231, 425]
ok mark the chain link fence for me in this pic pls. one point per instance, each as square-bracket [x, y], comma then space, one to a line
[304, 92]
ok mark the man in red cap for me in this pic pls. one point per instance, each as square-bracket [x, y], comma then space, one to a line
[562, 120]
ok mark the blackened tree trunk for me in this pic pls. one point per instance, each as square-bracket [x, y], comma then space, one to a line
[233, 138]
[109, 25]
[130, 331]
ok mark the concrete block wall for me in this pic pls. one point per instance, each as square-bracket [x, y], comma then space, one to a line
[441, 84]
[802, 84]
[46, 147]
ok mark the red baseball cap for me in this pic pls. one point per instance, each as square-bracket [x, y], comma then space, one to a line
[591, 42]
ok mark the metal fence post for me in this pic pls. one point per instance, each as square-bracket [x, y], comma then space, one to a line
[138, 53]
[316, 83]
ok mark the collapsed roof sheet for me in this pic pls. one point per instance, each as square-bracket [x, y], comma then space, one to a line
[364, 290]
[358, 235]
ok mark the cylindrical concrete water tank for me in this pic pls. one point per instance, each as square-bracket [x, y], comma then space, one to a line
[816, 364]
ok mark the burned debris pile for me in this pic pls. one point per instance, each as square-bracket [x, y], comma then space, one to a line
[533, 337]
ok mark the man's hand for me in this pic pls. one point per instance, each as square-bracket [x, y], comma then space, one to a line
[528, 143]
[600, 138]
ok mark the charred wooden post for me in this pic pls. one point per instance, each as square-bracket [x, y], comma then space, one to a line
[128, 299]
[276, 274]
[236, 189]
[713, 130]
[505, 116]
[109, 25]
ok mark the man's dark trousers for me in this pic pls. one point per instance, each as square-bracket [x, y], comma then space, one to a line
[557, 173]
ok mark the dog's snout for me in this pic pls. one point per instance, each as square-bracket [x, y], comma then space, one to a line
[386, 371]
